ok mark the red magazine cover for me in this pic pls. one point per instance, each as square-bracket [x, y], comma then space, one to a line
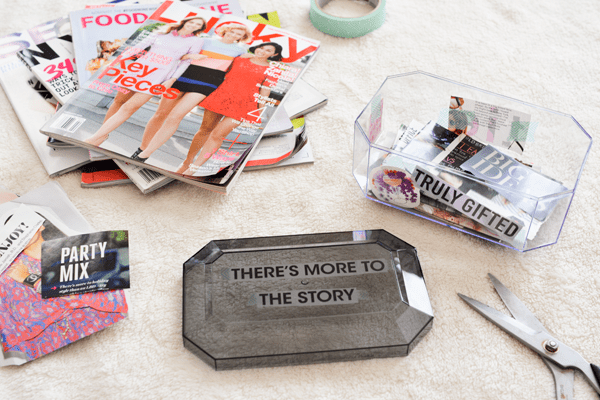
[103, 173]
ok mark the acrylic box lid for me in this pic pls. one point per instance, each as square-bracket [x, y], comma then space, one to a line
[303, 299]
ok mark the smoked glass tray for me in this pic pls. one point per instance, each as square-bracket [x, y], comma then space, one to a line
[289, 300]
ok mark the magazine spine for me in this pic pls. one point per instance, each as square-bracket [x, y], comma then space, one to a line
[44, 158]
[144, 179]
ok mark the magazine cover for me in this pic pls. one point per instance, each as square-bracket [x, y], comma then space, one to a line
[109, 29]
[44, 325]
[145, 179]
[271, 150]
[98, 33]
[148, 180]
[187, 57]
[102, 174]
[52, 62]
[32, 102]
[303, 99]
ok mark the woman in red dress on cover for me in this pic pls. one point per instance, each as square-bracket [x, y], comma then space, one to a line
[233, 102]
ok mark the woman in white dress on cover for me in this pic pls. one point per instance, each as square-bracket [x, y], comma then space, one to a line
[178, 40]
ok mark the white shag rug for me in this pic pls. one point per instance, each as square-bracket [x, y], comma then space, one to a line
[542, 52]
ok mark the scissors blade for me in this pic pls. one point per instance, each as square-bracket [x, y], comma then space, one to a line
[565, 357]
[516, 306]
[510, 325]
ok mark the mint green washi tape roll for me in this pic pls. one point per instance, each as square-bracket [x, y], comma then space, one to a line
[347, 27]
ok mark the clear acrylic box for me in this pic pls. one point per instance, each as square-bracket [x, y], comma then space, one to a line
[289, 300]
[484, 164]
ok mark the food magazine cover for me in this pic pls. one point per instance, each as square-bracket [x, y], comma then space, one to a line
[99, 32]
[228, 66]
[31, 326]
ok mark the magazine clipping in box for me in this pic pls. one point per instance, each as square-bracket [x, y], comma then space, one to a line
[155, 61]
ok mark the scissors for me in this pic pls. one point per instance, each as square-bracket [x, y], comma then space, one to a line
[525, 327]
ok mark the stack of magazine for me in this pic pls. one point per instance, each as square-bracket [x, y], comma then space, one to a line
[174, 90]
[469, 171]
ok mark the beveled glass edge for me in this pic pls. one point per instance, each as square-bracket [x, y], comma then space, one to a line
[216, 248]
[293, 359]
[289, 360]
[419, 72]
[198, 352]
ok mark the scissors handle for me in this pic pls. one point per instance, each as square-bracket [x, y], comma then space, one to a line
[563, 380]
[596, 371]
